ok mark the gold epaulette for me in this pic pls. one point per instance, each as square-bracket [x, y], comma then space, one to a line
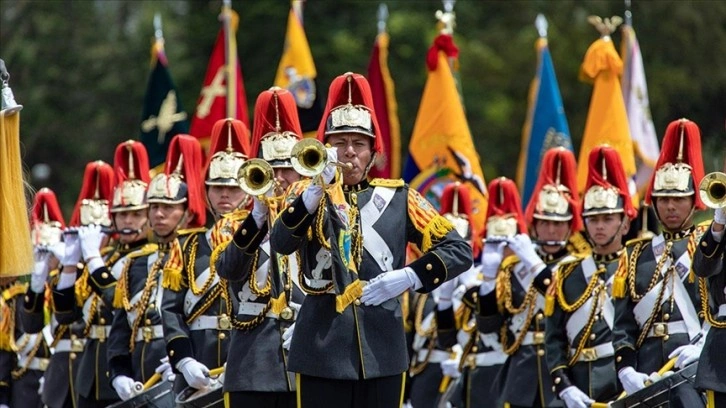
[634, 241]
[189, 231]
[565, 268]
[107, 250]
[122, 281]
[578, 244]
[382, 182]
[509, 261]
[16, 289]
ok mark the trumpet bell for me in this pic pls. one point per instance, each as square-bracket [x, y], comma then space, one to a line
[309, 157]
[712, 190]
[255, 177]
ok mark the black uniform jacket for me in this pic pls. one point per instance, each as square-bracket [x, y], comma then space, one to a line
[336, 336]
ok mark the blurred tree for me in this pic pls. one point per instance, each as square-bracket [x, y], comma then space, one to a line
[80, 68]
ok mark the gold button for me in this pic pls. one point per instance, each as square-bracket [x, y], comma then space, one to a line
[666, 316]
[74, 337]
[79, 265]
[547, 281]
[554, 389]
[540, 316]
[353, 196]
[666, 337]
[72, 356]
[558, 380]
[436, 281]
[357, 302]
[601, 266]
[429, 267]
[152, 305]
[619, 359]
[222, 336]
[540, 352]
[474, 295]
[102, 321]
[104, 275]
[244, 231]
[704, 244]
[148, 322]
[287, 287]
[592, 336]
[171, 353]
[27, 299]
[291, 210]
[474, 349]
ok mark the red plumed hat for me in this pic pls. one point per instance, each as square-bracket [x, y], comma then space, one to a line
[46, 218]
[277, 127]
[229, 148]
[456, 207]
[350, 109]
[680, 166]
[607, 190]
[181, 181]
[555, 195]
[504, 211]
[131, 166]
[92, 206]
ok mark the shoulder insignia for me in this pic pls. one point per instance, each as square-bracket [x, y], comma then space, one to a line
[107, 250]
[426, 219]
[14, 290]
[144, 250]
[634, 241]
[567, 267]
[381, 182]
[578, 244]
[509, 261]
[189, 231]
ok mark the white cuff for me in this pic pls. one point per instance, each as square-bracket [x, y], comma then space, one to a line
[311, 197]
[487, 287]
[444, 304]
[95, 263]
[66, 280]
[717, 236]
[415, 281]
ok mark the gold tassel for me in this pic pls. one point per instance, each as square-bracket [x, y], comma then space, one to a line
[277, 304]
[82, 288]
[620, 275]
[172, 273]
[118, 293]
[549, 308]
[352, 292]
[619, 287]
[437, 227]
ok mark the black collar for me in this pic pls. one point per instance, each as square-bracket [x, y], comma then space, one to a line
[607, 258]
[126, 248]
[676, 235]
[355, 188]
[553, 257]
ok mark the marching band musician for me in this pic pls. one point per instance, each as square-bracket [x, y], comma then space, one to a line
[349, 346]
[136, 345]
[93, 301]
[654, 293]
[709, 265]
[66, 340]
[516, 308]
[195, 313]
[579, 327]
[263, 282]
[483, 356]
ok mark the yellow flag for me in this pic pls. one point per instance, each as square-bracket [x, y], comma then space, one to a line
[607, 119]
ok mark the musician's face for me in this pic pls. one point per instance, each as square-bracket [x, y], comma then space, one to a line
[225, 199]
[284, 177]
[675, 212]
[606, 230]
[355, 149]
[166, 218]
[133, 220]
[548, 230]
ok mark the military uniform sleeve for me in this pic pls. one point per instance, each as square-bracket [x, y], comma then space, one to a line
[446, 254]
[625, 332]
[709, 257]
[543, 280]
[557, 349]
[7, 362]
[487, 315]
[176, 330]
[32, 316]
[290, 227]
[103, 283]
[446, 328]
[236, 261]
[118, 354]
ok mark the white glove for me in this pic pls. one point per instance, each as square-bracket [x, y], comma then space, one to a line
[311, 197]
[686, 354]
[388, 285]
[41, 383]
[126, 387]
[40, 270]
[4, 406]
[287, 337]
[632, 380]
[574, 398]
[522, 246]
[470, 278]
[58, 250]
[329, 170]
[719, 216]
[91, 238]
[446, 293]
[259, 212]
[491, 258]
[450, 368]
[72, 253]
[165, 370]
[195, 373]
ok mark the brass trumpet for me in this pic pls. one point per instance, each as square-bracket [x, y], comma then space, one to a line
[309, 157]
[255, 177]
[712, 189]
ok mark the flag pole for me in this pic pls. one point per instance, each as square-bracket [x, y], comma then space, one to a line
[628, 14]
[541, 24]
[158, 32]
[382, 18]
[229, 59]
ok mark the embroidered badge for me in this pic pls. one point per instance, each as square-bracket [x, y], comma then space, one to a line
[379, 202]
[658, 250]
[344, 247]
[681, 269]
[342, 211]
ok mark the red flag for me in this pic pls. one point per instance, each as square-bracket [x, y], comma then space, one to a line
[388, 164]
[212, 102]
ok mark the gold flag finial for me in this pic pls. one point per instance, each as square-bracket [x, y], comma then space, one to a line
[605, 26]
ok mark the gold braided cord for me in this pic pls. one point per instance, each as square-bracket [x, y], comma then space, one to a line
[418, 319]
[31, 355]
[59, 334]
[238, 324]
[309, 290]
[91, 311]
[637, 249]
[191, 267]
[143, 302]
[658, 303]
[265, 290]
[590, 322]
[418, 366]
[706, 308]
[208, 300]
[467, 349]
[589, 289]
[528, 304]
[319, 217]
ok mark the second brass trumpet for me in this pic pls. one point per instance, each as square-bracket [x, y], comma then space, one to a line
[713, 189]
[256, 177]
[309, 157]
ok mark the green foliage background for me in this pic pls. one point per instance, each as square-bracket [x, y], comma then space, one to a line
[80, 67]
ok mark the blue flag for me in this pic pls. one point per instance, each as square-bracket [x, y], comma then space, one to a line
[546, 125]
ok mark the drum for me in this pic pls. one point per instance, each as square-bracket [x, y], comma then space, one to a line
[679, 386]
[210, 397]
[158, 396]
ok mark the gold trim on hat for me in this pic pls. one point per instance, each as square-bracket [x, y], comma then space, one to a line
[673, 180]
[129, 196]
[552, 201]
[277, 146]
[501, 226]
[164, 188]
[46, 233]
[353, 116]
[223, 168]
[601, 200]
[95, 212]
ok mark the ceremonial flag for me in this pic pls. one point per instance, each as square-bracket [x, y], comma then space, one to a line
[607, 121]
[296, 72]
[162, 116]
[221, 97]
[546, 124]
[637, 106]
[388, 164]
[441, 149]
